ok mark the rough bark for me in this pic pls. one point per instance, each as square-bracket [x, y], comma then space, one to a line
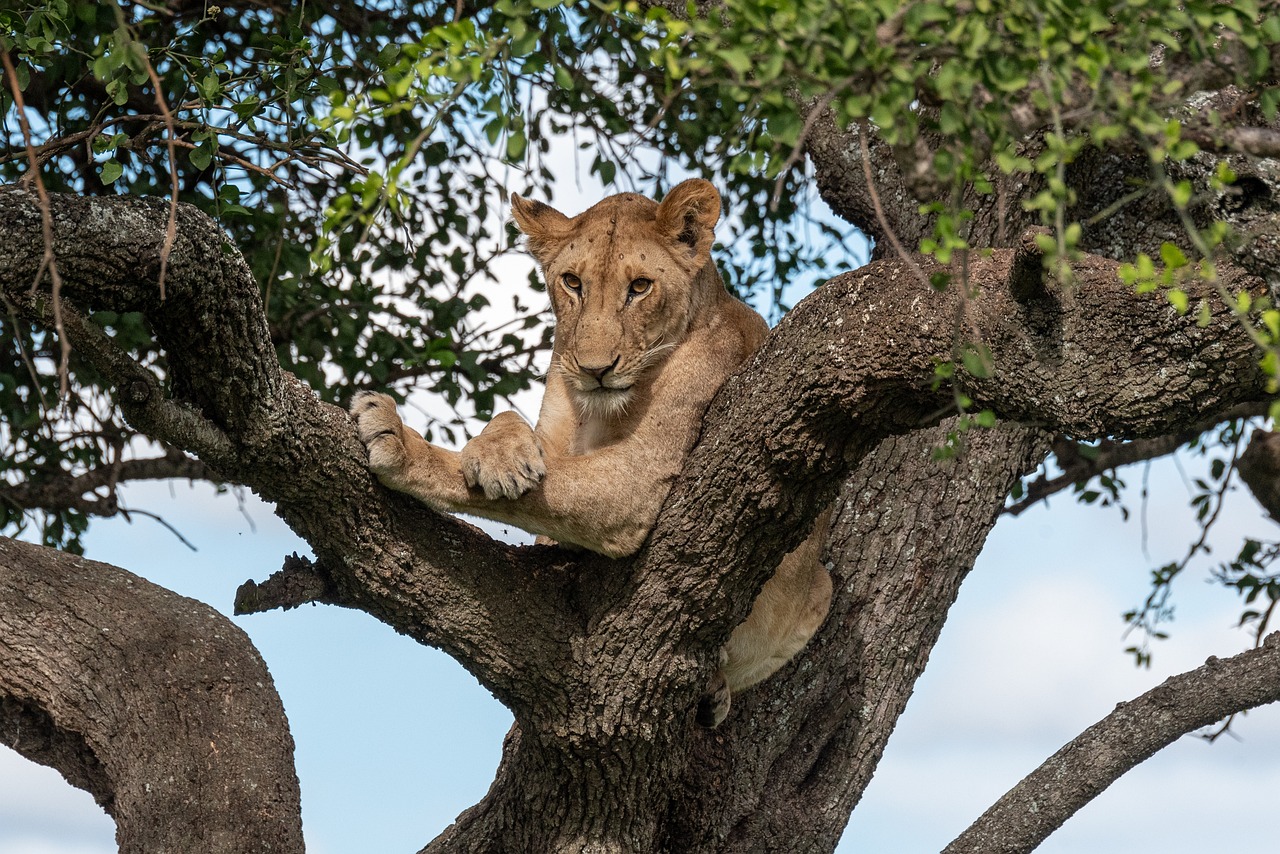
[1118, 223]
[800, 754]
[602, 661]
[154, 703]
[1081, 770]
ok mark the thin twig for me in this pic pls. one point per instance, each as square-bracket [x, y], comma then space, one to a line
[48, 262]
[864, 131]
[128, 513]
[171, 228]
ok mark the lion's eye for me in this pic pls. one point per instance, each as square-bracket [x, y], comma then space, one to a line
[571, 283]
[639, 287]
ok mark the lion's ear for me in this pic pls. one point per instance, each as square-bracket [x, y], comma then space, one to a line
[543, 225]
[689, 214]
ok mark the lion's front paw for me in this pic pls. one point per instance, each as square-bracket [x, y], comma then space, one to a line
[505, 460]
[381, 430]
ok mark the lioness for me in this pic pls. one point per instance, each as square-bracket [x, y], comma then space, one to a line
[645, 335]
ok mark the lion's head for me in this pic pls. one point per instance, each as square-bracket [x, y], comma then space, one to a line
[626, 278]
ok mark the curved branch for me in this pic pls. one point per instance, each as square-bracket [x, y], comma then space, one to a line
[854, 363]
[156, 704]
[109, 254]
[228, 401]
[1085, 767]
[851, 365]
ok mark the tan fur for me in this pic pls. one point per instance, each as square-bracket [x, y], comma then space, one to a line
[645, 335]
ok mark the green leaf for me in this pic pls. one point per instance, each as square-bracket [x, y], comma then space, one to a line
[111, 170]
[201, 156]
[1178, 298]
[1172, 256]
[1271, 320]
[517, 144]
[977, 361]
[1180, 193]
[564, 79]
[737, 59]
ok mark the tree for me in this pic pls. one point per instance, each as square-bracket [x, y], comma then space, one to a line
[1034, 319]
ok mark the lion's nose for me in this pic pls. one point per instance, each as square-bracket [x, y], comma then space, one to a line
[596, 372]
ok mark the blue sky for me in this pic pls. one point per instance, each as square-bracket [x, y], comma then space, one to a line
[395, 739]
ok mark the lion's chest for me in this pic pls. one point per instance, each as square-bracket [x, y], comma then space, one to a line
[591, 434]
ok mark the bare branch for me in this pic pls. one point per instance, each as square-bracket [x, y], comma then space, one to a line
[297, 583]
[1078, 468]
[1085, 767]
[67, 491]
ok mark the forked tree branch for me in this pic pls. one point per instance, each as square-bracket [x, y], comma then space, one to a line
[852, 364]
[1081, 770]
[849, 366]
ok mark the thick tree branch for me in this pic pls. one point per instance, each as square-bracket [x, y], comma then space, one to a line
[301, 453]
[109, 256]
[431, 577]
[156, 704]
[1084, 768]
[906, 532]
[1123, 210]
[855, 362]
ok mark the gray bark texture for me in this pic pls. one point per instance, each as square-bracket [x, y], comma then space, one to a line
[155, 704]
